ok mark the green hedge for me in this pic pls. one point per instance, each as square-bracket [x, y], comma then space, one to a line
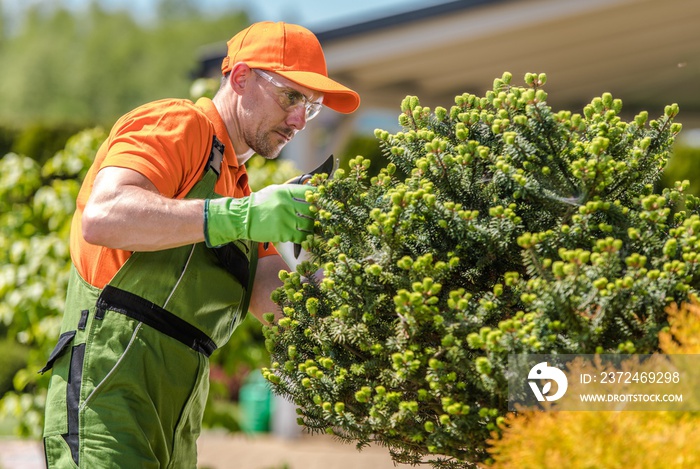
[37, 141]
[13, 357]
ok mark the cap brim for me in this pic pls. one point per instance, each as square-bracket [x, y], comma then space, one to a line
[335, 96]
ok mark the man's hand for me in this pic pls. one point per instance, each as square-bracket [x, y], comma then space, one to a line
[277, 213]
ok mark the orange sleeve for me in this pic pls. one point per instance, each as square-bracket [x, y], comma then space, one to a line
[165, 141]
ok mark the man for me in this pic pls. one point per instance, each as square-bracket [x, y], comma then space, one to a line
[165, 244]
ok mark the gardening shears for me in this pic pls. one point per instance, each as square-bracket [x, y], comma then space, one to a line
[290, 251]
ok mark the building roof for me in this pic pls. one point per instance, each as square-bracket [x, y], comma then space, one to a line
[645, 52]
[402, 18]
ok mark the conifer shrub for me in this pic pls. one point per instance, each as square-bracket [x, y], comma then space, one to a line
[518, 230]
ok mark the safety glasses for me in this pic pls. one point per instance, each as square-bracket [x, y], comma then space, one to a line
[289, 98]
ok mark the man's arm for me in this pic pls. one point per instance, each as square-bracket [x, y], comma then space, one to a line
[266, 281]
[126, 211]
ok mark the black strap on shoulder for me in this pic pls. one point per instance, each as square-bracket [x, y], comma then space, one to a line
[160, 319]
[216, 156]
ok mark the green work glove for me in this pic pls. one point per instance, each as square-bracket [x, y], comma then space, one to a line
[277, 213]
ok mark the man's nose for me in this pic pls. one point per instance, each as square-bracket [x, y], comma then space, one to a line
[296, 118]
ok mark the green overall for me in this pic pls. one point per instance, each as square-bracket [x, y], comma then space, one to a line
[131, 392]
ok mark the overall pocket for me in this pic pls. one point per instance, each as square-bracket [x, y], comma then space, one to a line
[56, 421]
[66, 370]
[62, 422]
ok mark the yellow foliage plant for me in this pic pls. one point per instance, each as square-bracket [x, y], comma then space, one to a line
[609, 440]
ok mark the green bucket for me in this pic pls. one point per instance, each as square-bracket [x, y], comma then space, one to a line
[255, 400]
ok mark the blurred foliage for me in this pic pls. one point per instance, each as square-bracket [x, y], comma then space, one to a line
[204, 88]
[39, 141]
[262, 172]
[13, 357]
[91, 66]
[683, 333]
[367, 146]
[683, 164]
[36, 205]
[642, 440]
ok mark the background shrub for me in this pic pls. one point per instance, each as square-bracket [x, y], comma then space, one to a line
[643, 440]
[36, 205]
[13, 357]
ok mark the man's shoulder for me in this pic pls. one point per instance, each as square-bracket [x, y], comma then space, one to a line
[165, 115]
[168, 106]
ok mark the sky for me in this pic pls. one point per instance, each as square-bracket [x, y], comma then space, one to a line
[317, 15]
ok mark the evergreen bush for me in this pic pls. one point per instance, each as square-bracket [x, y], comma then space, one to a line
[518, 230]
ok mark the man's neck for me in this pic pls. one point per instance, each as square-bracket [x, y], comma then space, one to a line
[243, 157]
[227, 112]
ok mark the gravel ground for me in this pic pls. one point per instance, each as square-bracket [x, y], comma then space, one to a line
[237, 451]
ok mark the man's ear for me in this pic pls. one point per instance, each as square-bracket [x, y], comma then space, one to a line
[240, 77]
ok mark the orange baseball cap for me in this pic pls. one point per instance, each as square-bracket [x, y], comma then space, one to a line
[293, 52]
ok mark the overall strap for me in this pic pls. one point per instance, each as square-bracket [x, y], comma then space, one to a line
[205, 187]
[158, 318]
[216, 156]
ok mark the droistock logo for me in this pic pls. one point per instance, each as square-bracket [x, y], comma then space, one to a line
[604, 382]
[543, 371]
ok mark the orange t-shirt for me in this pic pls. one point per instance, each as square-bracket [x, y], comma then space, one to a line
[167, 141]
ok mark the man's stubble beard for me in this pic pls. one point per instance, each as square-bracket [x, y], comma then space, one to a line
[264, 146]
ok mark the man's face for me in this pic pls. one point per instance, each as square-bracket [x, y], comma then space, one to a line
[277, 110]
